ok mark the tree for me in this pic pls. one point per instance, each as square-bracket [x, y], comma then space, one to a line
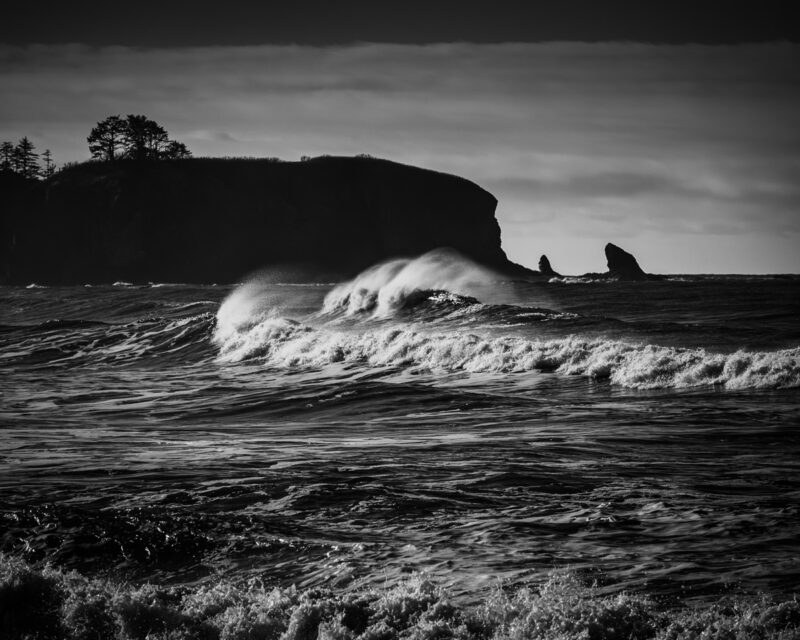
[25, 159]
[177, 151]
[16, 160]
[144, 139]
[106, 140]
[135, 137]
[6, 156]
[49, 165]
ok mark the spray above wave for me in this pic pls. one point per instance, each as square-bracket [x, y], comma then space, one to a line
[438, 285]
[389, 286]
[281, 342]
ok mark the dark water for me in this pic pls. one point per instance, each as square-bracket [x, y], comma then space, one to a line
[643, 435]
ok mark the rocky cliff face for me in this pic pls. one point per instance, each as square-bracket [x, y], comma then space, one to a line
[217, 220]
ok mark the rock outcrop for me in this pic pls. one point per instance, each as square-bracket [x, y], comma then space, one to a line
[545, 269]
[214, 220]
[622, 265]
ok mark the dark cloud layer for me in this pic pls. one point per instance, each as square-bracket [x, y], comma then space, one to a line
[181, 23]
[688, 153]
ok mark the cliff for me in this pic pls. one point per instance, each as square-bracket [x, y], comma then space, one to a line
[215, 220]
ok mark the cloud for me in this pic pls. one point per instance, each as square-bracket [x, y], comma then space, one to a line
[598, 140]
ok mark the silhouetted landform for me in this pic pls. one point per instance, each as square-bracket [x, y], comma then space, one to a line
[213, 220]
[621, 266]
[545, 269]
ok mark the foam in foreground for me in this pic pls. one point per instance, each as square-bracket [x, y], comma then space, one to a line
[51, 604]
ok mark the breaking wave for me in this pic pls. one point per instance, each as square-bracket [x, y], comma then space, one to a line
[421, 315]
[282, 342]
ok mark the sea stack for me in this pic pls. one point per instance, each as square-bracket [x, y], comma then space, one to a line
[544, 267]
[622, 265]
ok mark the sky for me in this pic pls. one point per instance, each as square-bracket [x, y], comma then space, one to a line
[672, 134]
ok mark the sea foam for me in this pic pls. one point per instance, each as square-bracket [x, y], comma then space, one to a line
[48, 603]
[286, 343]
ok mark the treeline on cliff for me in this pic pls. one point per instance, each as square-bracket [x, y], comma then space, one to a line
[135, 137]
[22, 160]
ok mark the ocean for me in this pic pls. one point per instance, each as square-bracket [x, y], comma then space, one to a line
[427, 451]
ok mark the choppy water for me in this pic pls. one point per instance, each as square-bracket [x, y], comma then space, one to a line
[425, 417]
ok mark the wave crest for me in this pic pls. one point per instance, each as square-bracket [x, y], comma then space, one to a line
[383, 289]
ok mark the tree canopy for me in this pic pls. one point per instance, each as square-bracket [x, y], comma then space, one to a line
[135, 137]
[23, 160]
[105, 140]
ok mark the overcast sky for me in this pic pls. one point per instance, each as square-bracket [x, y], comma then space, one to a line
[686, 154]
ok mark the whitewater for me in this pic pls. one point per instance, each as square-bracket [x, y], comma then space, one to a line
[428, 449]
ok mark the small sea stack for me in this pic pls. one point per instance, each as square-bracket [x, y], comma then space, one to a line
[622, 265]
[545, 269]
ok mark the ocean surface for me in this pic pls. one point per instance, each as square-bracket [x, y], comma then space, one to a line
[425, 423]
